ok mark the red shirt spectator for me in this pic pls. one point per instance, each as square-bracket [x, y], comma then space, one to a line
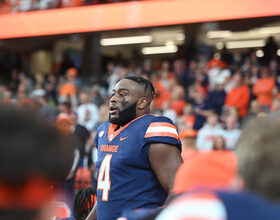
[239, 96]
[177, 102]
[263, 88]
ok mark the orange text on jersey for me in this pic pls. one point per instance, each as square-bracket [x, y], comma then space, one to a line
[109, 148]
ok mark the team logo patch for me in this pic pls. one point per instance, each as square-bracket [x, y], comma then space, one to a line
[101, 133]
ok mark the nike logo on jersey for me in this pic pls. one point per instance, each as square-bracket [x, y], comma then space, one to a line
[121, 139]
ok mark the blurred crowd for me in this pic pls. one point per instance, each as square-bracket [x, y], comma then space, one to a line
[11, 6]
[209, 100]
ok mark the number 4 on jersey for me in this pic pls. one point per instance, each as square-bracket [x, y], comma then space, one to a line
[104, 182]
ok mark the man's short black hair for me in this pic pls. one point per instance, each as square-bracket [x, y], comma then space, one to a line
[147, 84]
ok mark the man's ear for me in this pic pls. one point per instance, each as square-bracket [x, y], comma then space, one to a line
[142, 103]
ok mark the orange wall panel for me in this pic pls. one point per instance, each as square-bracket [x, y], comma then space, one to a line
[131, 15]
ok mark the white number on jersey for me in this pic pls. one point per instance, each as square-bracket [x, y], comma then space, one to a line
[104, 182]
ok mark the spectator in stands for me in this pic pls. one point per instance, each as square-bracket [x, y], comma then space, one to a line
[169, 112]
[80, 131]
[45, 109]
[202, 109]
[219, 143]
[39, 80]
[25, 84]
[177, 102]
[6, 95]
[264, 88]
[119, 72]
[270, 50]
[188, 117]
[97, 95]
[51, 88]
[148, 67]
[231, 133]
[14, 81]
[209, 131]
[254, 110]
[25, 102]
[34, 155]
[67, 87]
[274, 69]
[255, 72]
[188, 138]
[164, 88]
[217, 97]
[87, 112]
[275, 109]
[103, 115]
[218, 75]
[65, 126]
[239, 96]
[5, 6]
[179, 67]
[189, 75]
[65, 107]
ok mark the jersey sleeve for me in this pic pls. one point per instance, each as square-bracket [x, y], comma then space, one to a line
[162, 130]
[100, 132]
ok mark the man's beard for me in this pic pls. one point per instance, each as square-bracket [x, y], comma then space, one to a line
[125, 116]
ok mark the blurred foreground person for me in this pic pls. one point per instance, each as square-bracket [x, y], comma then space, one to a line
[258, 194]
[34, 155]
[203, 170]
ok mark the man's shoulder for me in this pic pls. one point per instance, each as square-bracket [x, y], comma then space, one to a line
[162, 129]
[159, 118]
[146, 120]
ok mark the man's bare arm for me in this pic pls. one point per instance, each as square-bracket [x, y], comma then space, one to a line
[165, 160]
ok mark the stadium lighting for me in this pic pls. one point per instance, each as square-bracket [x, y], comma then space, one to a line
[245, 44]
[181, 36]
[218, 34]
[169, 43]
[259, 53]
[269, 30]
[126, 40]
[160, 50]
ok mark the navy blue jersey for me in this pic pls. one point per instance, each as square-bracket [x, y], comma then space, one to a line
[125, 178]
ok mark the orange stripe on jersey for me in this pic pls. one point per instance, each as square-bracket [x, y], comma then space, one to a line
[162, 124]
[156, 134]
[157, 129]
